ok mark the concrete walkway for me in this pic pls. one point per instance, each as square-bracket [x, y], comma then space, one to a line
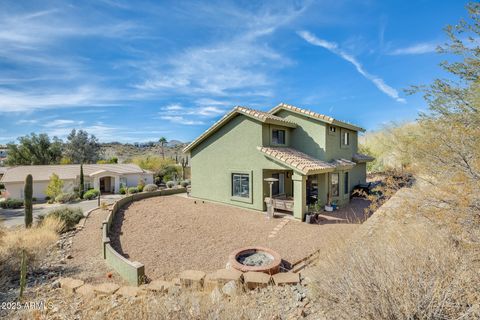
[15, 217]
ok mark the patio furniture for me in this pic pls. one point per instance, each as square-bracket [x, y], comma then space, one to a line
[281, 202]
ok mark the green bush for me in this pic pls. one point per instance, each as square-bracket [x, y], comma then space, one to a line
[91, 194]
[150, 187]
[185, 183]
[132, 190]
[123, 190]
[66, 197]
[170, 184]
[2, 186]
[141, 185]
[11, 204]
[70, 216]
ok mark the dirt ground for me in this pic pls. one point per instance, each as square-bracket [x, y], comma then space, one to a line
[174, 233]
[86, 261]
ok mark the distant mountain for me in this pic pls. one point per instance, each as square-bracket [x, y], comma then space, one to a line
[174, 143]
[125, 151]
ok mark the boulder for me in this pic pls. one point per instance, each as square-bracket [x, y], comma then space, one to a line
[192, 279]
[210, 282]
[286, 278]
[224, 276]
[230, 288]
[255, 280]
[70, 285]
[86, 291]
[128, 291]
[160, 286]
[107, 288]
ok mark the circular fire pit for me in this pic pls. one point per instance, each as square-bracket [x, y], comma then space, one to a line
[258, 259]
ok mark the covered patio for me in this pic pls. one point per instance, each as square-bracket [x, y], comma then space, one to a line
[304, 181]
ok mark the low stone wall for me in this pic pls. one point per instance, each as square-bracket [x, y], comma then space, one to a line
[132, 272]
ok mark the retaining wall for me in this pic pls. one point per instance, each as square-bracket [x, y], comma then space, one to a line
[132, 272]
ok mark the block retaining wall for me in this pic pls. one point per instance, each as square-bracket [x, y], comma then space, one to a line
[132, 272]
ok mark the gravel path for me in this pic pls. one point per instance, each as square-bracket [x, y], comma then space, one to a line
[87, 261]
[173, 233]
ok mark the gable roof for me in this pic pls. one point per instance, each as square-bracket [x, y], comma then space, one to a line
[297, 160]
[316, 116]
[261, 116]
[66, 172]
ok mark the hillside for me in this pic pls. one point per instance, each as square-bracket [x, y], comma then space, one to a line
[127, 151]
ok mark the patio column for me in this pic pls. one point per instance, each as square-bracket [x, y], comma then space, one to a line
[299, 195]
[117, 184]
[96, 183]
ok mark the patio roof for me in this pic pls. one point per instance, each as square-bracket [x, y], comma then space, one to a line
[261, 116]
[297, 160]
[316, 116]
[360, 158]
[343, 164]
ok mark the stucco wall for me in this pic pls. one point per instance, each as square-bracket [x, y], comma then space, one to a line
[132, 179]
[15, 189]
[335, 149]
[232, 148]
[358, 174]
[309, 136]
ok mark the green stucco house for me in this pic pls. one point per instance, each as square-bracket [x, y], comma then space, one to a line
[313, 156]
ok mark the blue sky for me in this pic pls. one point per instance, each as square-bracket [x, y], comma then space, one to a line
[135, 71]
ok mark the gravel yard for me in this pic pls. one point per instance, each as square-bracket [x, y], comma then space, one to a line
[172, 233]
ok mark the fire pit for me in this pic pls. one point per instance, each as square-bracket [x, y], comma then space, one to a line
[258, 259]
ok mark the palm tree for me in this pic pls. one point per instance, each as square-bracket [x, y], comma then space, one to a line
[162, 142]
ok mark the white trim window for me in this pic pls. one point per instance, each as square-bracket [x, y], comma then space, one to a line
[334, 184]
[241, 185]
[278, 136]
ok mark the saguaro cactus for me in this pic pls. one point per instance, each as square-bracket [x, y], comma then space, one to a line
[28, 194]
[82, 182]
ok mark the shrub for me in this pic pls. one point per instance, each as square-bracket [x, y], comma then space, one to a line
[69, 216]
[170, 184]
[34, 199]
[150, 188]
[2, 186]
[11, 204]
[132, 190]
[66, 197]
[123, 190]
[91, 194]
[54, 187]
[185, 183]
[141, 185]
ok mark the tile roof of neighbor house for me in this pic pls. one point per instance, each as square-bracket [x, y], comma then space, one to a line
[66, 172]
[297, 160]
[359, 158]
[261, 116]
[315, 115]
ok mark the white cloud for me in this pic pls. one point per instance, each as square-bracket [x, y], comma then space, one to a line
[333, 47]
[173, 107]
[419, 48]
[62, 123]
[181, 120]
[26, 121]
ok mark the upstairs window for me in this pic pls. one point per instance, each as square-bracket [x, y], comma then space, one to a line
[346, 138]
[333, 129]
[278, 136]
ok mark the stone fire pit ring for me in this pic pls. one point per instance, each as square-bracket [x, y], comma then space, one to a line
[269, 260]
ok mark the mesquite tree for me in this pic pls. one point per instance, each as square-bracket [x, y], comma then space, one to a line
[28, 194]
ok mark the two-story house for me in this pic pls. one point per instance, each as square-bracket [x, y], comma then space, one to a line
[313, 156]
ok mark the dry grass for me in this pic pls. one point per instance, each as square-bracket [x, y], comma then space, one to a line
[403, 268]
[36, 241]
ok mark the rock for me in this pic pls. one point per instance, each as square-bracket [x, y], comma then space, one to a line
[159, 286]
[192, 279]
[223, 276]
[286, 278]
[216, 295]
[210, 282]
[128, 291]
[55, 284]
[69, 256]
[255, 280]
[230, 288]
[107, 288]
[69, 285]
[86, 291]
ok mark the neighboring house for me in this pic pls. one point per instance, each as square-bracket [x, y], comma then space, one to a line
[108, 178]
[313, 156]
